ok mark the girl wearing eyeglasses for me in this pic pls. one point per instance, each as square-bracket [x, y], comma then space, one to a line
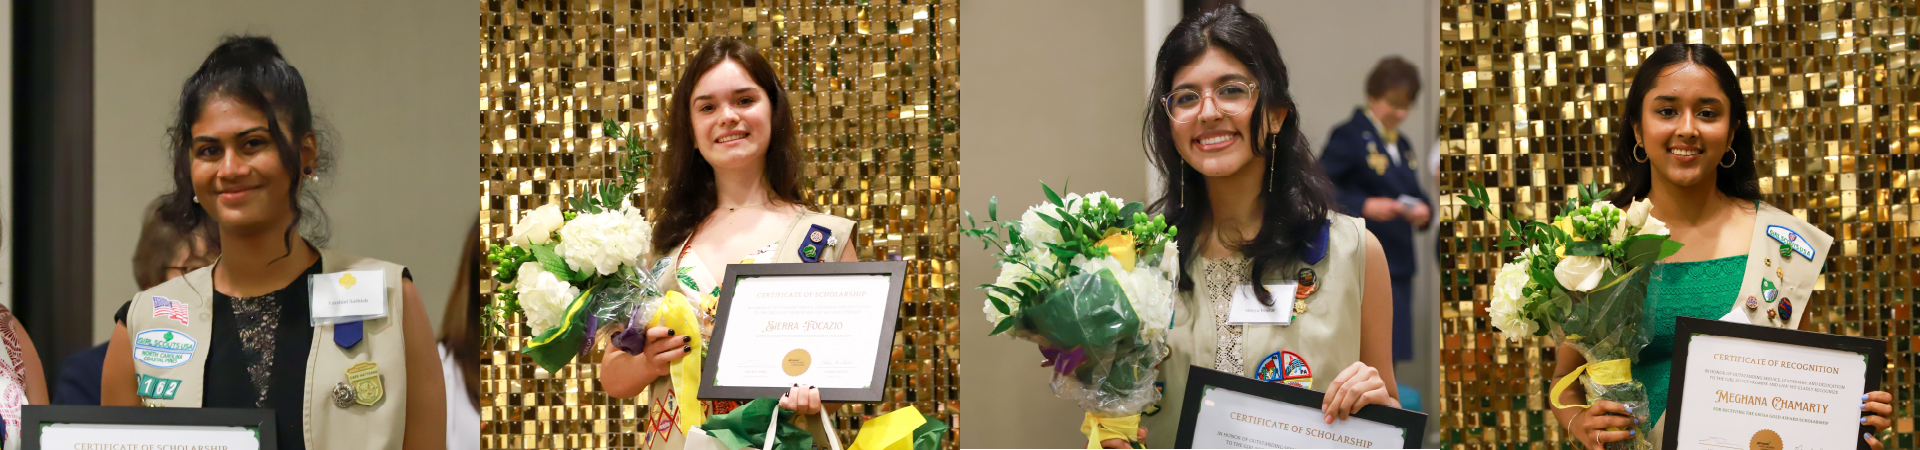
[1241, 184]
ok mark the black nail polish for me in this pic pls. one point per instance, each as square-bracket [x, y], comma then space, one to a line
[686, 339]
[688, 349]
[669, 332]
[796, 385]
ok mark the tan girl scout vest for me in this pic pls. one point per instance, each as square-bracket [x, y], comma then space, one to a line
[170, 349]
[1326, 337]
[1793, 276]
[661, 429]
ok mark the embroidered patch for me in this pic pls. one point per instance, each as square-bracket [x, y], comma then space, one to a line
[1294, 370]
[1791, 239]
[171, 309]
[163, 348]
[365, 377]
[157, 388]
[1269, 368]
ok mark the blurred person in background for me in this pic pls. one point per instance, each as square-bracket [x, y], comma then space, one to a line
[22, 380]
[460, 346]
[163, 253]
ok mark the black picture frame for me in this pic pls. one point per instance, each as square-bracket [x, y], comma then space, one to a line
[32, 417]
[895, 271]
[1685, 328]
[1199, 378]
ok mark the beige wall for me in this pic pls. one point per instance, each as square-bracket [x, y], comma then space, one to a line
[1054, 91]
[1329, 63]
[393, 82]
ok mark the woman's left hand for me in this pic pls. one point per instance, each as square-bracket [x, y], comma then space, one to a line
[1878, 405]
[1359, 385]
[804, 400]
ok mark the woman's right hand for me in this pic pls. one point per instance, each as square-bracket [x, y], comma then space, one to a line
[1591, 425]
[663, 348]
[625, 375]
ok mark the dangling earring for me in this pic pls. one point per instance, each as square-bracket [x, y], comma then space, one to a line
[1639, 154]
[1273, 153]
[1729, 164]
[311, 177]
[1182, 184]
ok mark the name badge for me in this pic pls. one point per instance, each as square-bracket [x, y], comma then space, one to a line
[350, 296]
[1247, 310]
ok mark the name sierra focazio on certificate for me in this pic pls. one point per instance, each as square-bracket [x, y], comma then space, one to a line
[1743, 393]
[818, 330]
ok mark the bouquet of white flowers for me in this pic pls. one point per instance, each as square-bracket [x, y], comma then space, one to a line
[1089, 279]
[1582, 279]
[568, 270]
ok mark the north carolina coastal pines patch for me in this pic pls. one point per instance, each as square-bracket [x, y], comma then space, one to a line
[163, 348]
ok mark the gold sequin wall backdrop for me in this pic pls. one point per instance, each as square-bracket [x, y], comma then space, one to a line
[875, 90]
[1531, 92]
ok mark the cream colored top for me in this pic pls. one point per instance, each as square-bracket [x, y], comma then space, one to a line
[1326, 336]
[693, 279]
[381, 426]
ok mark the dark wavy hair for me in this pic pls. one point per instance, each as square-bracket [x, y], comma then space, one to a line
[251, 71]
[690, 194]
[1296, 208]
[1739, 181]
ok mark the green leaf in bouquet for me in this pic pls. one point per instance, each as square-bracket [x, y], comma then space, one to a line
[1003, 326]
[1089, 310]
[1052, 197]
[1586, 248]
[554, 263]
[1646, 248]
[993, 208]
[999, 305]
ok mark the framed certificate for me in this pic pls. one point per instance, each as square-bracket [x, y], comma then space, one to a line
[1224, 410]
[1739, 386]
[76, 427]
[828, 325]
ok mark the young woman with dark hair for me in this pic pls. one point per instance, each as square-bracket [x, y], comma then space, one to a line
[1223, 132]
[1684, 145]
[732, 196]
[240, 332]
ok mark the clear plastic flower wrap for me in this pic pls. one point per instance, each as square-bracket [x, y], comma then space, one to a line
[1605, 326]
[633, 299]
[1087, 279]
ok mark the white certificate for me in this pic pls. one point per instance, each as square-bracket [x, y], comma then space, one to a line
[819, 330]
[1744, 393]
[1233, 419]
[63, 436]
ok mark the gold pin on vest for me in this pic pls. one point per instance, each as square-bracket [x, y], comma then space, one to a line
[365, 378]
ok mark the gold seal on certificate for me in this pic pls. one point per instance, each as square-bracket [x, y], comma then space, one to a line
[796, 362]
[827, 325]
[1737, 385]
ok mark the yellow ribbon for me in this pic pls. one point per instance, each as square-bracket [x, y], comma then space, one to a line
[1103, 428]
[676, 314]
[892, 431]
[1613, 371]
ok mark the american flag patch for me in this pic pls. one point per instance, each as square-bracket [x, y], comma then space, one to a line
[162, 307]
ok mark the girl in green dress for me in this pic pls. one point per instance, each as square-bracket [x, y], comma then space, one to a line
[1685, 145]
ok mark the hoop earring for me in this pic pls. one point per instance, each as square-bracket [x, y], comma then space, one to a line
[1729, 164]
[1639, 154]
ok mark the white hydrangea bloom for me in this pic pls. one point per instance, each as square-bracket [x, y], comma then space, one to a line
[603, 242]
[543, 296]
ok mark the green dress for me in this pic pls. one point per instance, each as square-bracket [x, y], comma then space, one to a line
[1701, 289]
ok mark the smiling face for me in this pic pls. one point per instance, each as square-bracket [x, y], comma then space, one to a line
[236, 167]
[1214, 143]
[1684, 127]
[732, 117]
